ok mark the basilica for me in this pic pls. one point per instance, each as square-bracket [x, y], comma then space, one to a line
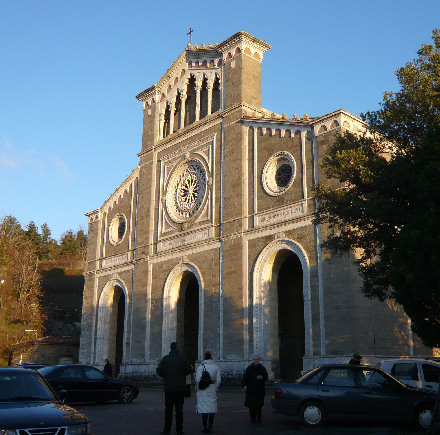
[210, 241]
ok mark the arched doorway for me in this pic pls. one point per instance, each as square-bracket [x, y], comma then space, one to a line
[281, 308]
[187, 329]
[183, 311]
[287, 313]
[111, 325]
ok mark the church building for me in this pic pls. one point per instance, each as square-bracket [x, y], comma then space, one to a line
[210, 241]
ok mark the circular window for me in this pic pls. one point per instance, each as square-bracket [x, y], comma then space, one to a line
[186, 190]
[278, 173]
[117, 229]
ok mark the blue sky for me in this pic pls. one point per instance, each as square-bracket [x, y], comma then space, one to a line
[70, 127]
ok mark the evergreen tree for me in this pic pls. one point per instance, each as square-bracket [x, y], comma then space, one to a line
[33, 235]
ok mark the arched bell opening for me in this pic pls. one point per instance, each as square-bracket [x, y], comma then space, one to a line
[190, 102]
[216, 96]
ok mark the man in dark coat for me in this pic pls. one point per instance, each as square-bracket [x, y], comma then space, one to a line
[253, 382]
[356, 359]
[173, 368]
[108, 369]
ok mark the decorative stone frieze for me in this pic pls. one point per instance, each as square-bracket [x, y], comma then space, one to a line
[282, 214]
[116, 260]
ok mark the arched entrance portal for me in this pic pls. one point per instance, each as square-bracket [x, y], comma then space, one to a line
[288, 295]
[188, 316]
[281, 304]
[183, 311]
[111, 326]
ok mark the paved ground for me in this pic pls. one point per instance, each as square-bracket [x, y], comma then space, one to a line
[145, 416]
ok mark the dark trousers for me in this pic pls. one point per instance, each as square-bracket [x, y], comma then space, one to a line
[255, 413]
[174, 399]
[208, 420]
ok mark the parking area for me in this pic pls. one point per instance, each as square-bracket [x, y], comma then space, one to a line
[145, 416]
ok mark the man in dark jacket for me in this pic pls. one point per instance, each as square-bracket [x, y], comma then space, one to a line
[356, 359]
[108, 369]
[253, 382]
[173, 368]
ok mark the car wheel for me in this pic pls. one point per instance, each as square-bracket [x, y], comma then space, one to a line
[126, 395]
[312, 414]
[424, 416]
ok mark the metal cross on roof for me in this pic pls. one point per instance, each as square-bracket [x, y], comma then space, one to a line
[189, 33]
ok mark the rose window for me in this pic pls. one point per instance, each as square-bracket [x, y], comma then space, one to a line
[278, 173]
[186, 190]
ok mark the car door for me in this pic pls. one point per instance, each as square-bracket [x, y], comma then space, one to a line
[381, 397]
[431, 375]
[98, 386]
[407, 372]
[71, 378]
[338, 392]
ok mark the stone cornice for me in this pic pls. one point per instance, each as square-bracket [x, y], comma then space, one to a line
[243, 36]
[124, 187]
[191, 130]
[320, 119]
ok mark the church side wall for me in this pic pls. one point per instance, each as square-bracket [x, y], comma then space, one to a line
[380, 328]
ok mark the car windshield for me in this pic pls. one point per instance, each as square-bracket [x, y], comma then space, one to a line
[26, 386]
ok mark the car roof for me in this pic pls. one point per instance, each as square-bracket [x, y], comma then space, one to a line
[411, 360]
[347, 365]
[15, 370]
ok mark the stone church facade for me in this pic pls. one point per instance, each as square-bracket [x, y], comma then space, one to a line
[210, 240]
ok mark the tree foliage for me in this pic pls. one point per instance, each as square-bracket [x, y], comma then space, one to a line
[386, 207]
[24, 256]
[21, 317]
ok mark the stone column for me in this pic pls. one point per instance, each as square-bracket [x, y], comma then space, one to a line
[182, 110]
[161, 120]
[172, 107]
[198, 89]
[209, 99]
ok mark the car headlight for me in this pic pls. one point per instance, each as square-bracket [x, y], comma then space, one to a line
[80, 429]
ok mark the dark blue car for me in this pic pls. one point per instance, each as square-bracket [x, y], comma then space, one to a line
[28, 406]
[346, 392]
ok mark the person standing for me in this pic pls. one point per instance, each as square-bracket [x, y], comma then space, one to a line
[356, 359]
[108, 369]
[174, 368]
[207, 398]
[253, 383]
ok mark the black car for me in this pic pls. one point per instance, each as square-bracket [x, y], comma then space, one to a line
[88, 384]
[346, 392]
[29, 406]
[33, 366]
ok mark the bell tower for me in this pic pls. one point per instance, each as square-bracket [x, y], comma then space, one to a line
[242, 57]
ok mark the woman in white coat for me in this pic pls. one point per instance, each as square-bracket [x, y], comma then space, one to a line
[207, 398]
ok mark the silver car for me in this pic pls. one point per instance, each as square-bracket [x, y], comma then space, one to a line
[420, 373]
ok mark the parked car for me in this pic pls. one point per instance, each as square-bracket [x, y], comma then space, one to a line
[33, 366]
[88, 384]
[29, 406]
[346, 392]
[420, 373]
